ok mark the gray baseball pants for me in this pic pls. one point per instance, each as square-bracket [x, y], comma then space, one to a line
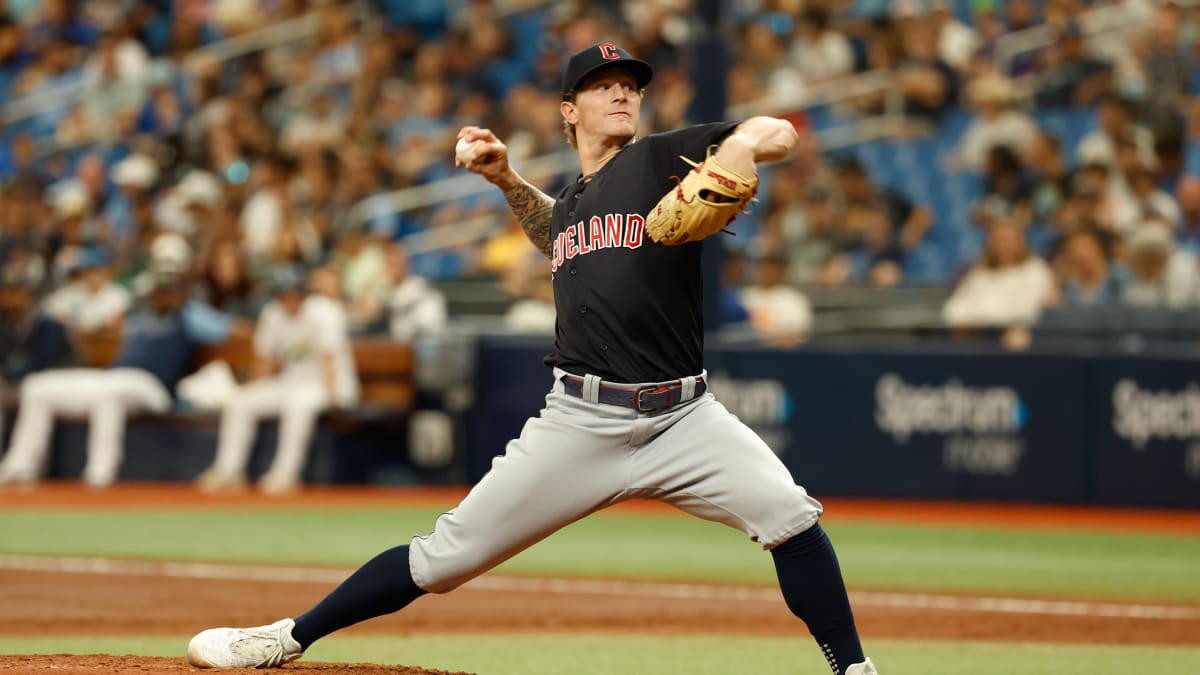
[579, 456]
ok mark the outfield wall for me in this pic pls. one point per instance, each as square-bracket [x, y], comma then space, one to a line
[935, 423]
[1094, 428]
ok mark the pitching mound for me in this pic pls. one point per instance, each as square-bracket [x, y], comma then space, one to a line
[67, 664]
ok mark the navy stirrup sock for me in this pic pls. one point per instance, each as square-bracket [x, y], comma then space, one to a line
[812, 585]
[382, 586]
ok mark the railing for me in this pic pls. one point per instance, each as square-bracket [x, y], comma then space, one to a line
[292, 30]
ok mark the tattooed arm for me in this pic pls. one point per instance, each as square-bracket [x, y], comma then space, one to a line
[532, 206]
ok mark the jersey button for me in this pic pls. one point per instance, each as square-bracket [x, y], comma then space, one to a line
[603, 348]
[571, 214]
[574, 271]
[577, 195]
[583, 309]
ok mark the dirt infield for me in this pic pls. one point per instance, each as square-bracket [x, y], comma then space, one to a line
[141, 665]
[39, 602]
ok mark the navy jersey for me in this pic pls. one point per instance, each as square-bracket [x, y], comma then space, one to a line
[629, 310]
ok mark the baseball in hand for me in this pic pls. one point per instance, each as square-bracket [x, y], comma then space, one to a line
[466, 151]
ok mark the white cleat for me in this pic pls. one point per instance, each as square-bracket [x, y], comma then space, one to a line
[17, 479]
[864, 668]
[278, 484]
[215, 481]
[262, 647]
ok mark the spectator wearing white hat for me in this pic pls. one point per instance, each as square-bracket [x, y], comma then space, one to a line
[996, 122]
[956, 41]
[193, 199]
[1163, 275]
[135, 177]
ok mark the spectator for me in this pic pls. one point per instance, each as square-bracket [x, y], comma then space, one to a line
[303, 365]
[1116, 118]
[92, 301]
[1168, 63]
[113, 80]
[995, 123]
[1006, 189]
[158, 349]
[1162, 275]
[194, 201]
[909, 222]
[929, 84]
[1007, 286]
[12, 58]
[780, 314]
[415, 307]
[263, 213]
[318, 127]
[134, 176]
[819, 52]
[812, 255]
[1188, 193]
[1088, 275]
[1051, 180]
[956, 41]
[1072, 77]
[1146, 201]
[225, 280]
[362, 265]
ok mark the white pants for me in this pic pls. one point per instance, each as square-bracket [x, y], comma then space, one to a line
[297, 404]
[104, 397]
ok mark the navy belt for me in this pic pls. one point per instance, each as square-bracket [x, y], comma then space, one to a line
[644, 398]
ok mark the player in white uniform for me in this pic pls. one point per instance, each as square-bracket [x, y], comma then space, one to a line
[303, 366]
[158, 349]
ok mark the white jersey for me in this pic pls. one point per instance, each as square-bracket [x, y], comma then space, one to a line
[77, 308]
[298, 343]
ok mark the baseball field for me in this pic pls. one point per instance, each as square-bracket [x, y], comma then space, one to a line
[117, 581]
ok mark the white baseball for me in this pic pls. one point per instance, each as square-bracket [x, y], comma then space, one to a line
[466, 151]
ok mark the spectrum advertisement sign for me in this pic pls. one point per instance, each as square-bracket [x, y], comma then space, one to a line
[1147, 431]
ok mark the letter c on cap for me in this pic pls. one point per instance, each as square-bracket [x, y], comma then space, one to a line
[609, 51]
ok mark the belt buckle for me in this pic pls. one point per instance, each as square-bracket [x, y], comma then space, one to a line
[637, 397]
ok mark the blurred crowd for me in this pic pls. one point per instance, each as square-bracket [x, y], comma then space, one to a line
[163, 188]
[167, 156]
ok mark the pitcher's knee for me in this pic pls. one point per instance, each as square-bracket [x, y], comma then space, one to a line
[788, 519]
[437, 568]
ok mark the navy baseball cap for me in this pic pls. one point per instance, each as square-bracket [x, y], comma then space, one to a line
[600, 55]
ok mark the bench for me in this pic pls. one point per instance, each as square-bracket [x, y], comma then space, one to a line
[363, 444]
[384, 366]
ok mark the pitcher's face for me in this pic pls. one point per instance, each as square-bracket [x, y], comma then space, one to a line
[608, 103]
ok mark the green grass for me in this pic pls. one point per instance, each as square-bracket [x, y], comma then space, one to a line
[592, 654]
[1084, 564]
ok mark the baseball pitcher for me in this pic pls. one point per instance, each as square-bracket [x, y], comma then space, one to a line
[628, 413]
